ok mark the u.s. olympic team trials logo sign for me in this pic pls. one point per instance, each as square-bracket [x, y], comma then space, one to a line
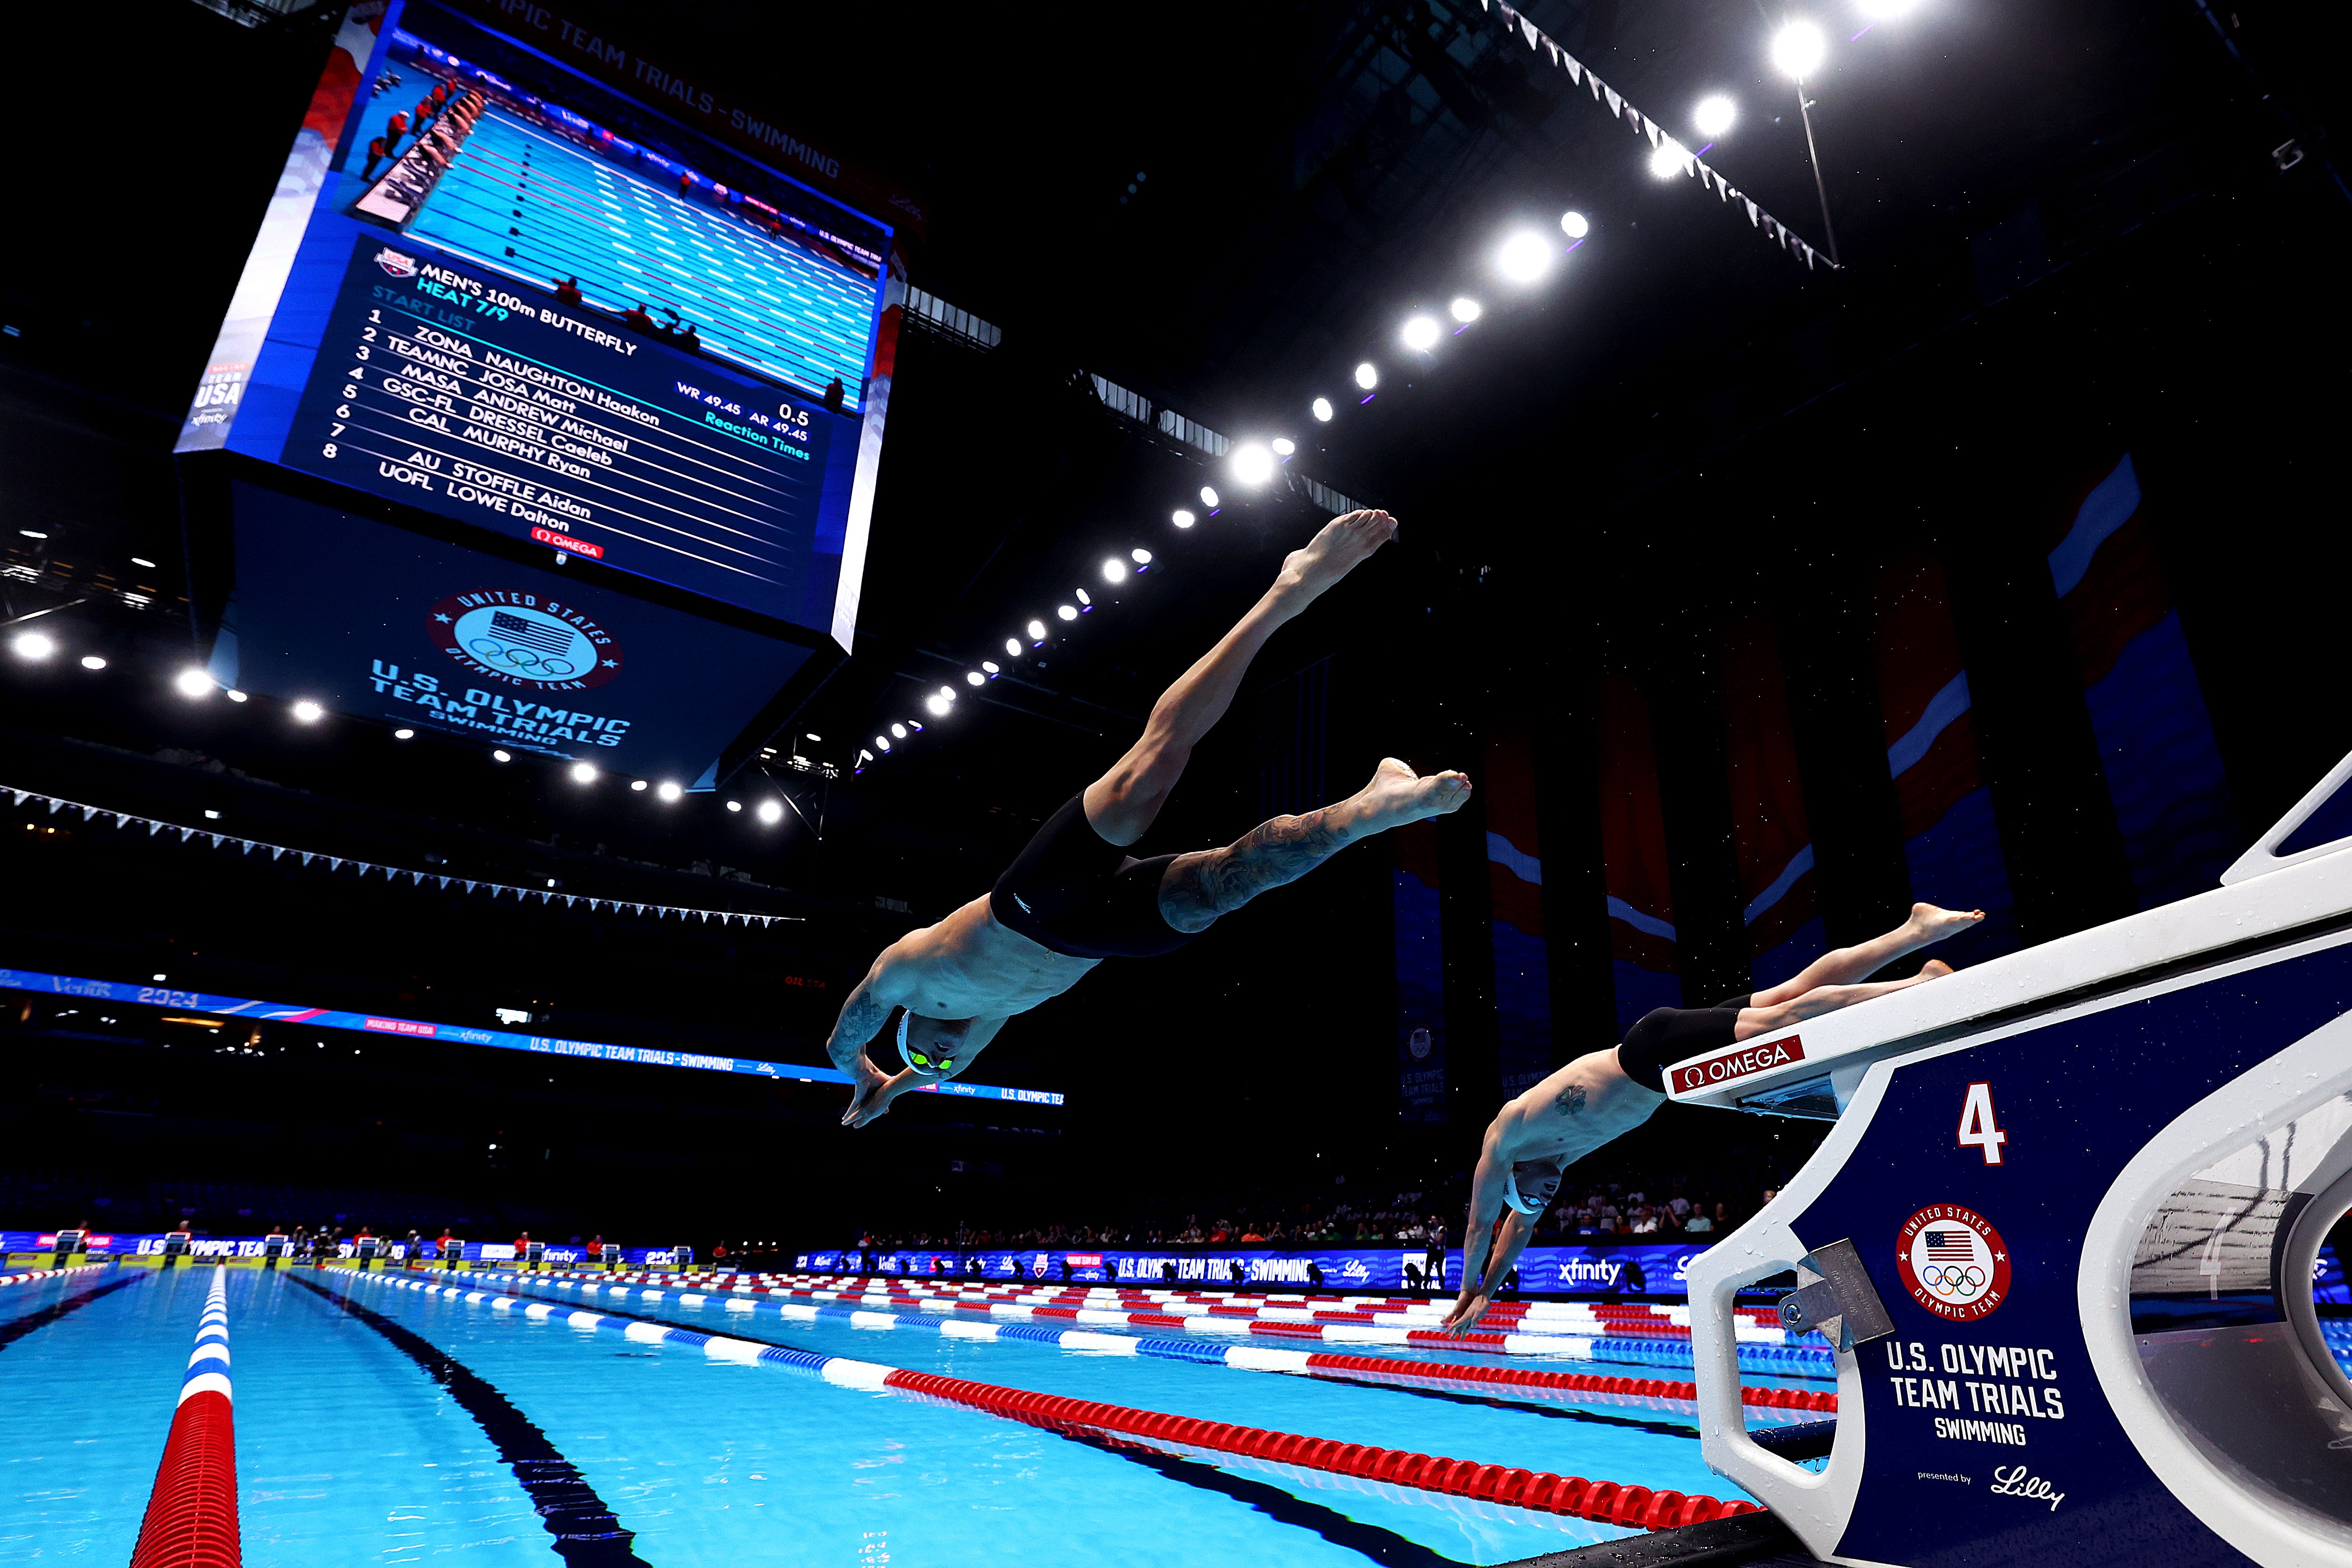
[524, 640]
[1953, 1262]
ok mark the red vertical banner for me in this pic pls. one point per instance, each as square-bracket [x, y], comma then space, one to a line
[1633, 855]
[1420, 974]
[1950, 840]
[1774, 842]
[2148, 712]
[1515, 888]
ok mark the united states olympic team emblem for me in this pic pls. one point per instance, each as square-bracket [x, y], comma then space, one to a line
[1953, 1262]
[524, 640]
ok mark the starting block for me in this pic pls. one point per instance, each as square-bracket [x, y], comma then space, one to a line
[2062, 1237]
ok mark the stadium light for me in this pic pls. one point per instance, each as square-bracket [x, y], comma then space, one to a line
[1524, 257]
[946, 693]
[502, 754]
[1670, 158]
[637, 784]
[1252, 464]
[1368, 375]
[1183, 519]
[818, 739]
[142, 561]
[1141, 558]
[1284, 447]
[32, 645]
[1575, 225]
[308, 712]
[1208, 497]
[1713, 115]
[92, 662]
[1420, 334]
[1798, 49]
[32, 533]
[936, 704]
[1466, 309]
[1322, 409]
[734, 806]
[583, 772]
[770, 812]
[1067, 612]
[1114, 570]
[668, 791]
[403, 734]
[194, 683]
[974, 678]
[234, 695]
[1036, 631]
[882, 743]
[1012, 648]
[898, 732]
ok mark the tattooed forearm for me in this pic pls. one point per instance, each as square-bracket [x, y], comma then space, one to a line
[1199, 886]
[862, 1017]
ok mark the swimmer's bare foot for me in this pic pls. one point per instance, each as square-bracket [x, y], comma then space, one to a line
[1934, 969]
[1339, 549]
[1929, 923]
[1398, 795]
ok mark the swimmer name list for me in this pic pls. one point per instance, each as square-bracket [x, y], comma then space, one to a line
[459, 395]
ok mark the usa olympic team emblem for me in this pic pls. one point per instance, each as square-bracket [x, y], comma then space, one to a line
[1953, 1262]
[524, 640]
[397, 264]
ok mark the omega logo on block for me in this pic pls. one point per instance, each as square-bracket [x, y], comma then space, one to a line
[1747, 1059]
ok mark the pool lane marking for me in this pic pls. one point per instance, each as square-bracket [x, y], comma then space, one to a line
[1528, 1383]
[192, 1510]
[32, 1274]
[1608, 1502]
[585, 1529]
[15, 1329]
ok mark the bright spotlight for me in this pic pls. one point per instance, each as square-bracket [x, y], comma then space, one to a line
[1085, 602]
[403, 734]
[142, 561]
[818, 739]
[734, 806]
[1322, 409]
[946, 693]
[937, 705]
[1524, 257]
[989, 665]
[194, 683]
[1036, 631]
[898, 732]
[667, 790]
[1252, 464]
[1183, 519]
[1798, 49]
[1713, 115]
[1368, 375]
[1140, 557]
[308, 712]
[1574, 225]
[1067, 612]
[1670, 158]
[92, 661]
[502, 755]
[637, 784]
[974, 678]
[32, 645]
[1283, 446]
[1466, 309]
[1420, 334]
[770, 812]
[882, 743]
[1208, 497]
[234, 695]
[1012, 648]
[1114, 570]
[583, 772]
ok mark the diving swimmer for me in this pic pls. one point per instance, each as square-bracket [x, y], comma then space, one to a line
[1600, 1096]
[1074, 898]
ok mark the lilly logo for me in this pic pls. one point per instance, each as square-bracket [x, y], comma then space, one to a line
[394, 263]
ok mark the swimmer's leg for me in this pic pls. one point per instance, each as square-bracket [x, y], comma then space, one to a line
[1198, 888]
[1846, 966]
[1755, 1020]
[1122, 803]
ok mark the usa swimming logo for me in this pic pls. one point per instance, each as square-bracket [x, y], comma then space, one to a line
[397, 264]
[1953, 1262]
[524, 640]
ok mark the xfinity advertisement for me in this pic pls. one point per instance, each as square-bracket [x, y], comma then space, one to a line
[1628, 1270]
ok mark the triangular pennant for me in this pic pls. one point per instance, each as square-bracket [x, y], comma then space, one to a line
[1650, 128]
[1529, 29]
[1616, 104]
[17, 797]
[469, 886]
[276, 851]
[216, 840]
[1809, 258]
[1595, 84]
[1551, 51]
[1574, 67]
[444, 884]
[186, 834]
[53, 807]
[120, 817]
[153, 828]
[88, 812]
[1752, 212]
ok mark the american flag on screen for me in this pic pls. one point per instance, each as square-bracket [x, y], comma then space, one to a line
[1950, 1247]
[532, 634]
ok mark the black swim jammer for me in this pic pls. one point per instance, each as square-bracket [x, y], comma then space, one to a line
[1665, 1035]
[1079, 895]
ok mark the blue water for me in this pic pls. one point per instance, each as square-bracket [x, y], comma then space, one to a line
[350, 1452]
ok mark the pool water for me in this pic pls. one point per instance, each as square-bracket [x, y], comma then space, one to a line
[383, 1425]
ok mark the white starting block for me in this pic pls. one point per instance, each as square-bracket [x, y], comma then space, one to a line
[2063, 1235]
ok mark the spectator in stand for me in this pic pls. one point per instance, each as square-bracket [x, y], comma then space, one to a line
[691, 341]
[1681, 1206]
[1645, 1222]
[1698, 1224]
[1433, 1259]
[1250, 1237]
[568, 292]
[636, 320]
[834, 394]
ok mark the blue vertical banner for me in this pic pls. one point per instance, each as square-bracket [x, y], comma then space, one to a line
[1420, 975]
[1635, 870]
[1952, 843]
[2148, 712]
[1773, 841]
[1524, 1051]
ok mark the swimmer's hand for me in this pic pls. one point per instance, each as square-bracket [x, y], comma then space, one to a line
[875, 1091]
[1467, 1310]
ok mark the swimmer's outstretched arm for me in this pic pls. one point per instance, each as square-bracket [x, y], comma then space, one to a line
[864, 1107]
[863, 1014]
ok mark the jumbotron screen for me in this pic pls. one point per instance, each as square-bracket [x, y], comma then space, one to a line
[501, 291]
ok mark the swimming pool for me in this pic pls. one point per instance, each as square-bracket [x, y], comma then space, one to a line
[379, 1422]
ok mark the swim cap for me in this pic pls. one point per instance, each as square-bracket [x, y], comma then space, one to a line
[1523, 1205]
[921, 1063]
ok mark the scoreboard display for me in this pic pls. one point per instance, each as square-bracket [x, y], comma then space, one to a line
[501, 291]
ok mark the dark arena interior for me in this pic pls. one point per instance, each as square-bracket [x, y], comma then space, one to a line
[692, 685]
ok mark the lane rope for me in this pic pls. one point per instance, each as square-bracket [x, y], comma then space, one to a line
[191, 1519]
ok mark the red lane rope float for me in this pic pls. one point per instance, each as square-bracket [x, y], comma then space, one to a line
[1574, 1382]
[1605, 1502]
[192, 1514]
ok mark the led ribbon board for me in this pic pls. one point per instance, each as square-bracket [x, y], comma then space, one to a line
[465, 1034]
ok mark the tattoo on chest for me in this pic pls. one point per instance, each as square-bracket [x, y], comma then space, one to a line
[1571, 1098]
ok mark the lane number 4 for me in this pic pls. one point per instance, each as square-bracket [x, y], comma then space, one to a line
[1977, 1128]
